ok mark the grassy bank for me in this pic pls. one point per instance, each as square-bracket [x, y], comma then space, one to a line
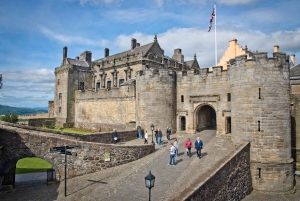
[34, 164]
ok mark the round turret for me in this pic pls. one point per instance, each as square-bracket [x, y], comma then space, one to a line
[260, 114]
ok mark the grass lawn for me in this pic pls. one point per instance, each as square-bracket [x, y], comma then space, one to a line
[34, 164]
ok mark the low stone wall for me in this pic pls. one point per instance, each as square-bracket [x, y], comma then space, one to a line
[40, 122]
[18, 141]
[230, 181]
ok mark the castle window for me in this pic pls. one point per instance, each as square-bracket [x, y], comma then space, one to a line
[121, 81]
[228, 125]
[81, 86]
[182, 98]
[258, 126]
[229, 97]
[259, 172]
[60, 96]
[108, 85]
[59, 109]
[259, 93]
[58, 81]
[97, 85]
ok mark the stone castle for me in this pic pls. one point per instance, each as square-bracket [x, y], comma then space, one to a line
[247, 97]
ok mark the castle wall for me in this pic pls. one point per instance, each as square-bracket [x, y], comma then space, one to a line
[108, 110]
[261, 114]
[156, 99]
[50, 109]
[295, 133]
[198, 88]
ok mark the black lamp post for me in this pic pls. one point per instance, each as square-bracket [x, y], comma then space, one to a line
[149, 181]
[152, 128]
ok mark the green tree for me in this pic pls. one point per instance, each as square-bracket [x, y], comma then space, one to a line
[11, 118]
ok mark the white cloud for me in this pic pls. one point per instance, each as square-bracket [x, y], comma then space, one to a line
[98, 2]
[201, 42]
[160, 3]
[67, 39]
[34, 76]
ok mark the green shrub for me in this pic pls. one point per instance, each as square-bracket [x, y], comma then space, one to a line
[11, 118]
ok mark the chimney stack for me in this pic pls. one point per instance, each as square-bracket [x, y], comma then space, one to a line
[65, 52]
[133, 43]
[106, 52]
[293, 59]
[276, 48]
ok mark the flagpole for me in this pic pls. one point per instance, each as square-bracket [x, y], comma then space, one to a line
[216, 34]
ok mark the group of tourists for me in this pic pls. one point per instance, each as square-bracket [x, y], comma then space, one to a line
[188, 146]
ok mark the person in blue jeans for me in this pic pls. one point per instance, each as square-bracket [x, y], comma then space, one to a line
[172, 155]
[198, 146]
[175, 144]
[139, 129]
[159, 137]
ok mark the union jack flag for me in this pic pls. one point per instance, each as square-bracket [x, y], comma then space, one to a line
[212, 17]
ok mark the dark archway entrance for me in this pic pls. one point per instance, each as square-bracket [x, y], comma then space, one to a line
[182, 123]
[206, 118]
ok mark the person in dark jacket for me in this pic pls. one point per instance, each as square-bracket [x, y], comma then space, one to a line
[115, 136]
[156, 135]
[198, 146]
[159, 137]
[168, 133]
[139, 129]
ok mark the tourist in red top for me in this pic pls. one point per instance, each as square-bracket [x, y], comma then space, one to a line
[188, 145]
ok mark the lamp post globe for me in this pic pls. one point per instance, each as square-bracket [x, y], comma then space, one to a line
[152, 128]
[149, 181]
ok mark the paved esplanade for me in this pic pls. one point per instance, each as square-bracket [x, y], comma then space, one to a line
[127, 182]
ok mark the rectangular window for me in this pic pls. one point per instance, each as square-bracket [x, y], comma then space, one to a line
[121, 81]
[98, 85]
[259, 93]
[182, 98]
[258, 126]
[108, 84]
[60, 96]
[81, 87]
[58, 81]
[59, 109]
[228, 97]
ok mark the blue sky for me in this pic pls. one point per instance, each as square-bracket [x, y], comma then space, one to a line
[34, 32]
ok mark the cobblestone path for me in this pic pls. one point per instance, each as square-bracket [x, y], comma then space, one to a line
[127, 182]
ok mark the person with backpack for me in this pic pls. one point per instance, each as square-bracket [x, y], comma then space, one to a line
[188, 145]
[198, 146]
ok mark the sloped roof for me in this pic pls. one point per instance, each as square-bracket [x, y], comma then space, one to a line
[128, 82]
[190, 63]
[78, 62]
[144, 49]
[295, 71]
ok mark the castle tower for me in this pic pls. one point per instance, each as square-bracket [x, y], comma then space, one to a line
[156, 99]
[260, 102]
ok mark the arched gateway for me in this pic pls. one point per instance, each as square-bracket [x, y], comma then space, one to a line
[205, 117]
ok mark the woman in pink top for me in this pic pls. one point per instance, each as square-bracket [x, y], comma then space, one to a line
[188, 145]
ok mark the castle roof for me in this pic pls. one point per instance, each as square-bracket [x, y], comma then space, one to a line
[78, 62]
[295, 71]
[144, 49]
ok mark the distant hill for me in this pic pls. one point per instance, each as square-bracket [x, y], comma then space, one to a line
[21, 111]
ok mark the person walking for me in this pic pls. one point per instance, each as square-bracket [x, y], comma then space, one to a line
[139, 129]
[146, 138]
[175, 144]
[168, 133]
[172, 155]
[156, 135]
[115, 136]
[159, 137]
[198, 146]
[188, 145]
